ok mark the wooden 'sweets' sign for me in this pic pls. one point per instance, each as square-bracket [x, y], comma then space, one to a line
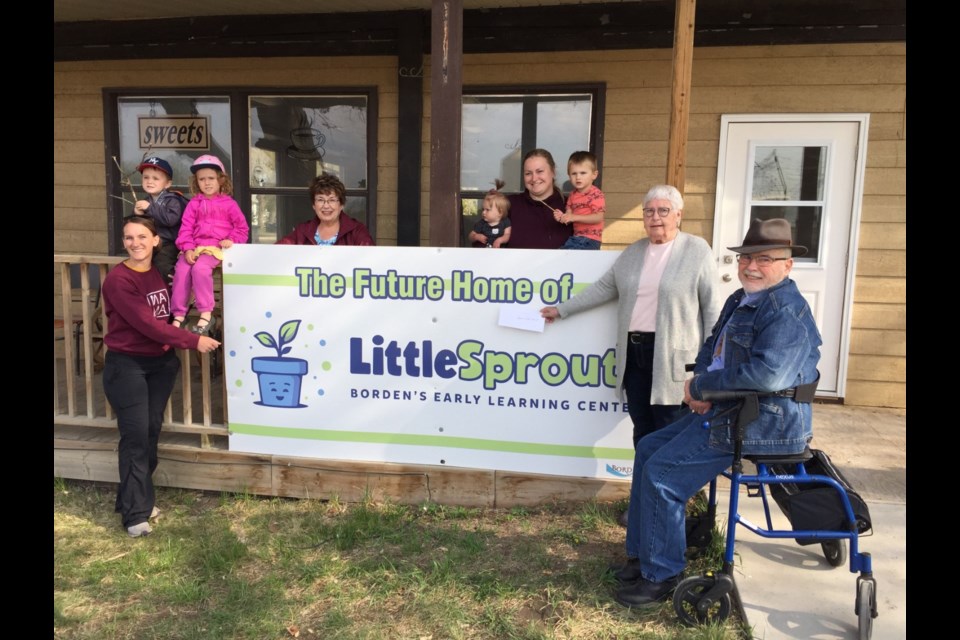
[174, 132]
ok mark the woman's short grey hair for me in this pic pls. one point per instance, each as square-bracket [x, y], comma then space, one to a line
[664, 192]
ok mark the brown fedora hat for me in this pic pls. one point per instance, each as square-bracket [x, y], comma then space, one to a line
[769, 234]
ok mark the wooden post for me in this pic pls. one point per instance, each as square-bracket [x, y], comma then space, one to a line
[446, 88]
[410, 119]
[680, 97]
[66, 300]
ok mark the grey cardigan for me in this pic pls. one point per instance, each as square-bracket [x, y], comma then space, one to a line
[687, 308]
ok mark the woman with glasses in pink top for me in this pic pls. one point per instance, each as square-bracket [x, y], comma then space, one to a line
[667, 288]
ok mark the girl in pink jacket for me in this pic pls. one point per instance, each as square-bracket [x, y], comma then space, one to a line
[211, 223]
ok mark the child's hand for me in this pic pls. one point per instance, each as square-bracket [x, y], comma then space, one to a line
[566, 218]
[479, 237]
[497, 243]
[557, 214]
[190, 256]
[140, 208]
[226, 244]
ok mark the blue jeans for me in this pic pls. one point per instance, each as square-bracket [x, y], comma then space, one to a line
[581, 242]
[138, 388]
[670, 466]
[637, 385]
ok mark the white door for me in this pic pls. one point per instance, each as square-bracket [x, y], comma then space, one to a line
[807, 168]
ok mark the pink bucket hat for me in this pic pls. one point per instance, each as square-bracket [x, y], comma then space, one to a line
[207, 162]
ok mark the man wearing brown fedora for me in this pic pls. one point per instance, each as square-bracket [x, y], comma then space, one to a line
[765, 340]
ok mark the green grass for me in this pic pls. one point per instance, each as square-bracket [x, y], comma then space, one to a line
[241, 566]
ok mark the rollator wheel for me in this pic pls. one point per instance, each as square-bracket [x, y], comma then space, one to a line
[865, 598]
[688, 595]
[835, 551]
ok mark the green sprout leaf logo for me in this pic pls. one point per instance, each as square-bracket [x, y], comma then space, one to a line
[288, 331]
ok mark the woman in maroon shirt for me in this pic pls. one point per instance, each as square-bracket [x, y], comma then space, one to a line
[331, 225]
[140, 367]
[531, 212]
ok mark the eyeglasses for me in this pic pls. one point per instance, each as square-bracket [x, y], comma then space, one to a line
[762, 261]
[663, 212]
[327, 201]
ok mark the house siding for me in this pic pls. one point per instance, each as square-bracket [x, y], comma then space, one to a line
[860, 78]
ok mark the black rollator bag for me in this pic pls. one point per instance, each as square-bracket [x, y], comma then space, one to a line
[817, 506]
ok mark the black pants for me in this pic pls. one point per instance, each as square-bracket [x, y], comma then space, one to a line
[638, 383]
[138, 388]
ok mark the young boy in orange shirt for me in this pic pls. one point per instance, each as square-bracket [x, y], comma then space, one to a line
[586, 205]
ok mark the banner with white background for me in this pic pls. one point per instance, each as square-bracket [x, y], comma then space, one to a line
[423, 356]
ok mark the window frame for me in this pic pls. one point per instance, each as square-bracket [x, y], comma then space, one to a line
[239, 98]
[597, 91]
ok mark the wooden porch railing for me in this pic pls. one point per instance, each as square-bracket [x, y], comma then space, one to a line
[198, 406]
[85, 432]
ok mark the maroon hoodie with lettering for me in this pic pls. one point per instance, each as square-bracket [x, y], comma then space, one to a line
[137, 304]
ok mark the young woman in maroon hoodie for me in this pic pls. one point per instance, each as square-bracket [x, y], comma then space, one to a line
[140, 367]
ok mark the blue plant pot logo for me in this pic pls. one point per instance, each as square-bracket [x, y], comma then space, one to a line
[279, 377]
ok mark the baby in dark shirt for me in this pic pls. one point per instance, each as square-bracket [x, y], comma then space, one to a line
[493, 227]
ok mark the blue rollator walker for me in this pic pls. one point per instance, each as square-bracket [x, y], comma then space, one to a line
[708, 598]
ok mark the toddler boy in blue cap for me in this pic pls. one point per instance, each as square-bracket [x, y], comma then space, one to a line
[165, 207]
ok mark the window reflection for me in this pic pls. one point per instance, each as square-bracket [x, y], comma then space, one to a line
[497, 129]
[562, 128]
[304, 134]
[471, 213]
[293, 139]
[789, 173]
[491, 144]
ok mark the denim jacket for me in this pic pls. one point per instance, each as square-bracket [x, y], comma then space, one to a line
[772, 344]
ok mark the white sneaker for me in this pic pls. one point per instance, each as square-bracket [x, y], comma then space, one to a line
[138, 530]
[155, 513]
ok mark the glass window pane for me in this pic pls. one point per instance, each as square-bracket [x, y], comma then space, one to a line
[562, 128]
[263, 168]
[171, 128]
[490, 143]
[295, 138]
[356, 207]
[471, 213]
[264, 215]
[493, 135]
[789, 173]
[805, 224]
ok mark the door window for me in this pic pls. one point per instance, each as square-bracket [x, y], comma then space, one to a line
[788, 182]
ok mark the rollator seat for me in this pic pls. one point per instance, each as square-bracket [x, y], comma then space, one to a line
[781, 459]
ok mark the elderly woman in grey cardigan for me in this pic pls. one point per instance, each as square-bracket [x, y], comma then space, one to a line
[667, 288]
